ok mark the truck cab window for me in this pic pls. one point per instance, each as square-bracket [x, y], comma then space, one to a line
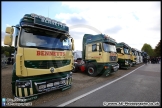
[109, 47]
[94, 47]
[126, 50]
[118, 50]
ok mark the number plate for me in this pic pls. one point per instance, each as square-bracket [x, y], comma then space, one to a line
[56, 83]
[42, 86]
[49, 84]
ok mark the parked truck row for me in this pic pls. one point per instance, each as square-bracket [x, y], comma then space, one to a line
[44, 56]
[114, 55]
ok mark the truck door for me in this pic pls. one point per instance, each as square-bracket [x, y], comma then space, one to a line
[92, 52]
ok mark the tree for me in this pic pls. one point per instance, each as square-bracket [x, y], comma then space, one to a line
[147, 48]
[2, 50]
[6, 53]
[10, 50]
[158, 49]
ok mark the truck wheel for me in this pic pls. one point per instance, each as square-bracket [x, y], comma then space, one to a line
[75, 69]
[120, 66]
[91, 70]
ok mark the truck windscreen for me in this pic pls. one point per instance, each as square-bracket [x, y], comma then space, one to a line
[39, 38]
[109, 47]
[133, 53]
[126, 50]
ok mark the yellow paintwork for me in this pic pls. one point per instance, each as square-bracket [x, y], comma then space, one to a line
[104, 57]
[31, 54]
[125, 56]
[8, 39]
[20, 92]
[25, 92]
[133, 57]
[9, 30]
[31, 91]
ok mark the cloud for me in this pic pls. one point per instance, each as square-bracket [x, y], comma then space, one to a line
[135, 16]
[3, 34]
[77, 35]
[8, 25]
[83, 27]
[134, 23]
[2, 37]
[71, 19]
[113, 30]
[75, 20]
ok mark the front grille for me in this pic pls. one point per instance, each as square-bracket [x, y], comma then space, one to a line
[112, 58]
[46, 64]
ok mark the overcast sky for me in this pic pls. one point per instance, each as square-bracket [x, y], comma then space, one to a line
[134, 23]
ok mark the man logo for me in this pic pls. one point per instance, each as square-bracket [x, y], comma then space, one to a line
[52, 69]
[112, 58]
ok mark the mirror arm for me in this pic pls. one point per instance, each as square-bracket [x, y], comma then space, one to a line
[15, 48]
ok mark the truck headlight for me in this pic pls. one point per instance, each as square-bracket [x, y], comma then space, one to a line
[23, 84]
[71, 73]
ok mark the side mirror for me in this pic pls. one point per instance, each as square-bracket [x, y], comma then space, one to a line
[121, 51]
[15, 48]
[72, 41]
[8, 40]
[10, 30]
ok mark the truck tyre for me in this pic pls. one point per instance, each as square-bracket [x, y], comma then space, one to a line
[75, 69]
[120, 66]
[92, 70]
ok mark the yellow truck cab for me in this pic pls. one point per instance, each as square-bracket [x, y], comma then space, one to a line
[43, 54]
[133, 56]
[124, 59]
[99, 55]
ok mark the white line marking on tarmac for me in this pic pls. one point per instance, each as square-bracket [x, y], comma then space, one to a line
[81, 96]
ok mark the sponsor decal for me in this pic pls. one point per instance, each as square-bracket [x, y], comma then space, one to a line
[50, 53]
